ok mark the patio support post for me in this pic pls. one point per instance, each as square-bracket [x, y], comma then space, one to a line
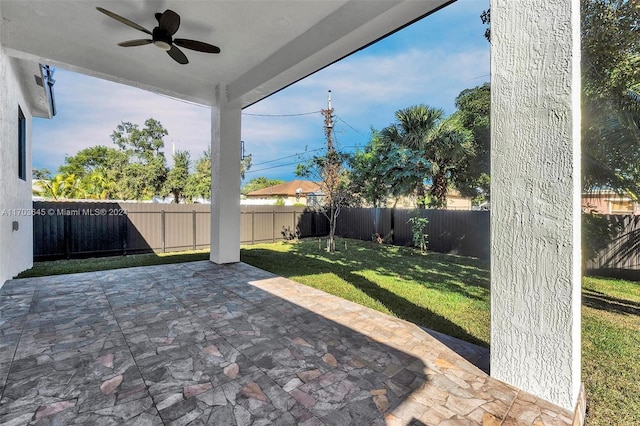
[535, 197]
[225, 182]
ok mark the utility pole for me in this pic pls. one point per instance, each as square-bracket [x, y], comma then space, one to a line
[328, 124]
[331, 176]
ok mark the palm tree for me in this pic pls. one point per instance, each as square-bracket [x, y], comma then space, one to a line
[441, 145]
[61, 186]
[99, 185]
[448, 147]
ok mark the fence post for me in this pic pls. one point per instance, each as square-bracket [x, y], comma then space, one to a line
[253, 226]
[124, 228]
[295, 223]
[273, 221]
[67, 235]
[193, 219]
[163, 221]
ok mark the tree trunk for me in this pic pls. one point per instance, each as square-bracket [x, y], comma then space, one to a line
[439, 190]
[331, 243]
[421, 197]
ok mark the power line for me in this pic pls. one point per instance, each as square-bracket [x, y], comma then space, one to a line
[480, 76]
[272, 167]
[349, 125]
[288, 156]
[281, 115]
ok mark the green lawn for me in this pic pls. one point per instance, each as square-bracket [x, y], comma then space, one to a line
[611, 350]
[446, 293]
[449, 294]
[59, 267]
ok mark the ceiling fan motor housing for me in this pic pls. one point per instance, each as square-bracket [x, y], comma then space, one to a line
[162, 38]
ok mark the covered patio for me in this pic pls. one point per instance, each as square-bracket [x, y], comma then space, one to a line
[200, 343]
[266, 46]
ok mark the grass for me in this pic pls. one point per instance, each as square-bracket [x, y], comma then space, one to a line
[611, 350]
[447, 293]
[72, 266]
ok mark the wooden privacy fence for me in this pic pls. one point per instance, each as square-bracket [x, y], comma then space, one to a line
[263, 224]
[621, 257]
[466, 233]
[81, 229]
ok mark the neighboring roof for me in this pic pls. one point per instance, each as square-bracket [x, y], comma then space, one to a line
[451, 192]
[604, 193]
[287, 189]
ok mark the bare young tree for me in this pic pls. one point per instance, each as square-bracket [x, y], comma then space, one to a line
[330, 173]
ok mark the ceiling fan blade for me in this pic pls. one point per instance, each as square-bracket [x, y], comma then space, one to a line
[177, 55]
[132, 43]
[124, 20]
[169, 21]
[196, 45]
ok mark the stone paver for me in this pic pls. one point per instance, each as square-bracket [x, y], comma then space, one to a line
[199, 343]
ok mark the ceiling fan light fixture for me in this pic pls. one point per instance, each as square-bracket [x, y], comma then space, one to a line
[162, 44]
[162, 39]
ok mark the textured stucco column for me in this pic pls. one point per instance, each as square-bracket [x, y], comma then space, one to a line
[535, 197]
[225, 183]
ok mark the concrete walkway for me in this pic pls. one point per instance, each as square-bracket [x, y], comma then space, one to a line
[198, 343]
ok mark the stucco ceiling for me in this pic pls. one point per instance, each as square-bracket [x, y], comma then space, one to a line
[266, 45]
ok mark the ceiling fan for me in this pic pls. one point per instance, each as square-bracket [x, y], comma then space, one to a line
[162, 35]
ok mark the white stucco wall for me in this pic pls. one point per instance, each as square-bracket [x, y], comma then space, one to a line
[225, 182]
[535, 197]
[16, 247]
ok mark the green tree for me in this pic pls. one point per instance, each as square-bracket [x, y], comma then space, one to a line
[442, 146]
[199, 182]
[178, 176]
[38, 174]
[611, 95]
[610, 43]
[144, 175]
[98, 168]
[379, 171]
[133, 184]
[91, 159]
[99, 185]
[412, 127]
[60, 186]
[40, 178]
[474, 109]
[259, 183]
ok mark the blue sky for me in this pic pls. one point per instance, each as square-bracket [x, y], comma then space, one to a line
[429, 62]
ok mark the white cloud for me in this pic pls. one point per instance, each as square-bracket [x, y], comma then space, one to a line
[429, 65]
[366, 91]
[89, 110]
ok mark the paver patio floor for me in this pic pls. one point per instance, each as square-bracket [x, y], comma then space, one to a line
[199, 343]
